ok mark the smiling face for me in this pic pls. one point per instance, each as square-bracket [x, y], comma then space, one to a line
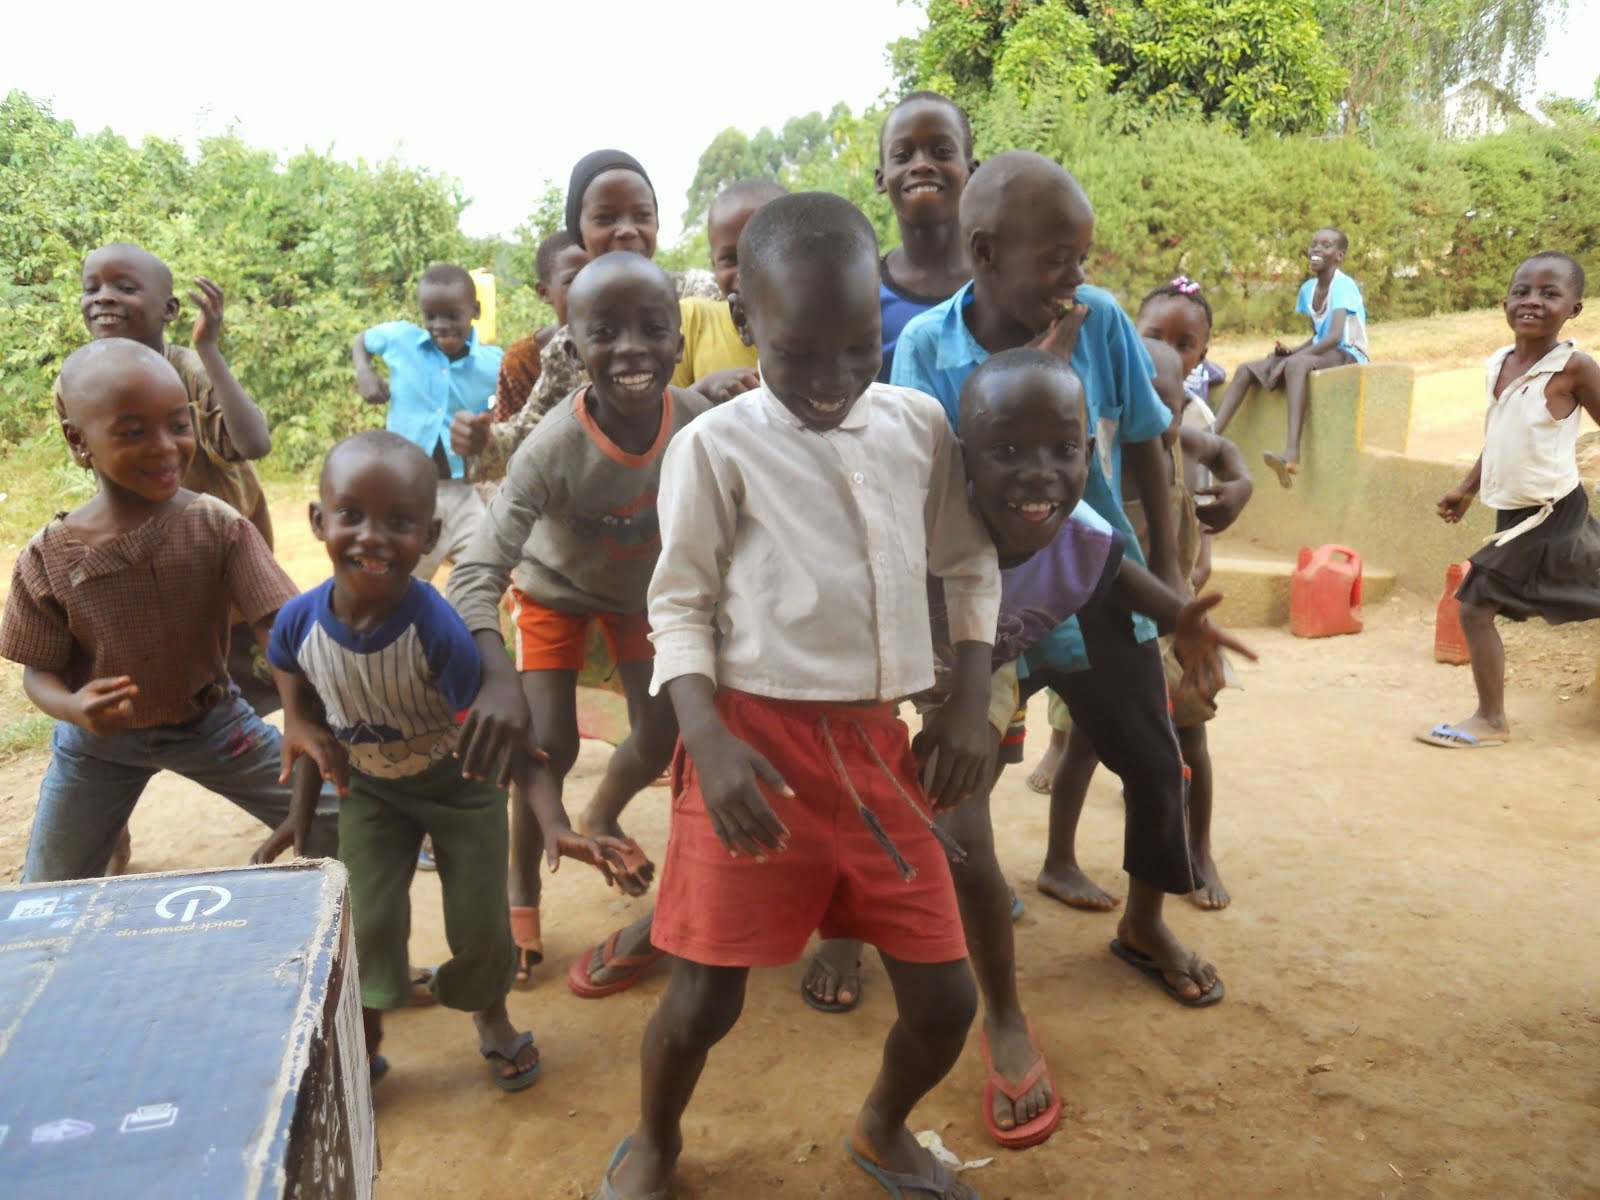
[448, 310]
[618, 213]
[818, 332]
[375, 515]
[1031, 265]
[1026, 447]
[1180, 323]
[624, 319]
[1327, 251]
[127, 416]
[924, 162]
[1543, 297]
[565, 268]
[127, 292]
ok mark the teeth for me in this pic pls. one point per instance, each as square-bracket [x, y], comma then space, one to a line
[632, 381]
[923, 187]
[830, 406]
[372, 566]
[1034, 510]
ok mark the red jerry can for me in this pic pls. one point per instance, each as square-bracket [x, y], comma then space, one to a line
[1325, 593]
[1449, 639]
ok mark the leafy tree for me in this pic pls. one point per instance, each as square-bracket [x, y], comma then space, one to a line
[1258, 64]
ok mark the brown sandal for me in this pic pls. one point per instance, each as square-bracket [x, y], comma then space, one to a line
[530, 946]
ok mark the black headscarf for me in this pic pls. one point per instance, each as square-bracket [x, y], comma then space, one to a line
[590, 167]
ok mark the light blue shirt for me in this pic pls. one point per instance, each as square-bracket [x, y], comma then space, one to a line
[427, 389]
[935, 354]
[1343, 292]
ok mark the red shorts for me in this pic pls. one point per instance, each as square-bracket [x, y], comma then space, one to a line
[545, 639]
[835, 877]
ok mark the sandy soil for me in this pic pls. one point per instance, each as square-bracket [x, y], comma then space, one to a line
[1419, 922]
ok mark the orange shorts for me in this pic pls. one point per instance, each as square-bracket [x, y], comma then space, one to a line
[545, 639]
[835, 877]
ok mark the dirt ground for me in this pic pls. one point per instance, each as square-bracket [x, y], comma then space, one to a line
[1419, 922]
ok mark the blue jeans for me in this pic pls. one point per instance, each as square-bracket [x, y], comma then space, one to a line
[93, 783]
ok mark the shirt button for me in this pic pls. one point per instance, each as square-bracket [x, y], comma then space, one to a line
[882, 559]
[859, 477]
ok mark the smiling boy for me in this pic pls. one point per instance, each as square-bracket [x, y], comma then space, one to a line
[436, 370]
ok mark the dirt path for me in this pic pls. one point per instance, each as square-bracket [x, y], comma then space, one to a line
[1422, 922]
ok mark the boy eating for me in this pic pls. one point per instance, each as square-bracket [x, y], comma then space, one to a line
[1332, 301]
[436, 370]
[799, 521]
[120, 613]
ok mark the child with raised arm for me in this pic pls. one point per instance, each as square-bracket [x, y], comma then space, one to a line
[717, 362]
[1191, 708]
[374, 667]
[1332, 302]
[1544, 556]
[556, 264]
[799, 521]
[924, 160]
[574, 527]
[119, 611]
[436, 370]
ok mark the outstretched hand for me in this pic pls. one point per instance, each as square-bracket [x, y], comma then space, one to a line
[619, 859]
[208, 325]
[721, 386]
[1196, 641]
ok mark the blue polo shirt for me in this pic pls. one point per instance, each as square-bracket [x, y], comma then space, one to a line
[426, 389]
[935, 354]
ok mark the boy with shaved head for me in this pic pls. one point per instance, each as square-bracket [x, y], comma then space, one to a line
[119, 611]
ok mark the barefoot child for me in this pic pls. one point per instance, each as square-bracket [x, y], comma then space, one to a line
[1029, 227]
[436, 370]
[574, 527]
[373, 667]
[717, 362]
[1544, 556]
[120, 613]
[924, 160]
[556, 264]
[1191, 709]
[1331, 300]
[799, 520]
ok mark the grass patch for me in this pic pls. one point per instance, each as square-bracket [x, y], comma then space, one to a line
[24, 734]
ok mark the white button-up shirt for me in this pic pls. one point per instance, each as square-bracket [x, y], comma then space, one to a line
[794, 562]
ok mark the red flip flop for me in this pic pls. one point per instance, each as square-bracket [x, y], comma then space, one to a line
[1035, 1131]
[634, 964]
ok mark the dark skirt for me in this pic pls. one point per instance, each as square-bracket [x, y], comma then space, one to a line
[1551, 571]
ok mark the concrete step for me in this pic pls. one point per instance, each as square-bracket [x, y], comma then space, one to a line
[1255, 584]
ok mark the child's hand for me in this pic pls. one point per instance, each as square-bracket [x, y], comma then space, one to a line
[1279, 350]
[495, 735]
[731, 777]
[1274, 375]
[469, 433]
[1229, 499]
[303, 739]
[1453, 505]
[279, 840]
[1062, 335]
[105, 706]
[721, 386]
[957, 741]
[619, 859]
[374, 389]
[208, 325]
[1196, 641]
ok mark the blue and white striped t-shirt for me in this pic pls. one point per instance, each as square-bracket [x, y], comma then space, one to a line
[391, 695]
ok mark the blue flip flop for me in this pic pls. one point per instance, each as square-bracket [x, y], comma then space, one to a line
[1017, 907]
[607, 1190]
[1451, 738]
[940, 1182]
[1145, 965]
[507, 1052]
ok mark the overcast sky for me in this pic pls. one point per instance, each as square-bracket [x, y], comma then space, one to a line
[506, 95]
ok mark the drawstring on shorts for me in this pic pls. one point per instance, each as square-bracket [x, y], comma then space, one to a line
[869, 818]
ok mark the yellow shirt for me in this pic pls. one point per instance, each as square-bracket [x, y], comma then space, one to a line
[710, 341]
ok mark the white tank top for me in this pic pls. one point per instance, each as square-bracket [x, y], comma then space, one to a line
[1530, 459]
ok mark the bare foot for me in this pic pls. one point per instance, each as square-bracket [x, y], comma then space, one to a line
[834, 977]
[1184, 971]
[1013, 1053]
[1074, 889]
[1043, 775]
[897, 1151]
[495, 1029]
[1284, 467]
[122, 855]
[1210, 895]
